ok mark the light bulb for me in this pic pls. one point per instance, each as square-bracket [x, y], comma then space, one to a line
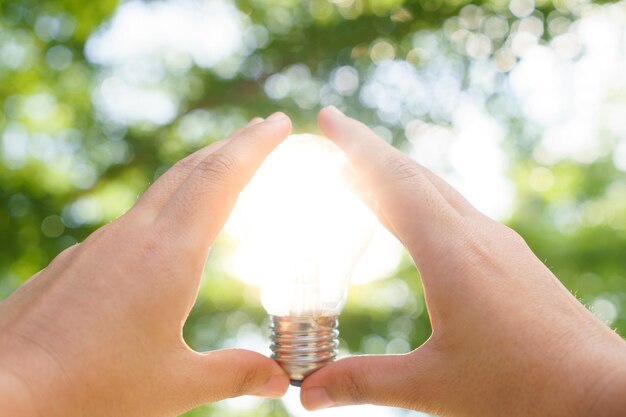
[305, 232]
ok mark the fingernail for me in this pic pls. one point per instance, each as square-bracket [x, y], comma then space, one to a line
[255, 121]
[275, 387]
[335, 110]
[275, 117]
[316, 398]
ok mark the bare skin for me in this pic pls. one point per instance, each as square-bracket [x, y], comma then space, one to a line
[508, 338]
[99, 331]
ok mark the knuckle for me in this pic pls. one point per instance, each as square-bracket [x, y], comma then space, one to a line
[489, 246]
[185, 165]
[218, 167]
[153, 246]
[473, 246]
[403, 168]
[243, 383]
[65, 257]
[354, 385]
[400, 171]
[511, 236]
[67, 252]
[99, 234]
[150, 248]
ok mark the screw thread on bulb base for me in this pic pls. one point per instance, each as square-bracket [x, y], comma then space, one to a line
[303, 344]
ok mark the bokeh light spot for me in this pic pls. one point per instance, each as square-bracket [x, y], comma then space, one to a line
[52, 226]
[540, 179]
[605, 310]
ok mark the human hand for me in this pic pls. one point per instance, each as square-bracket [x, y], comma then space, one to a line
[99, 331]
[508, 338]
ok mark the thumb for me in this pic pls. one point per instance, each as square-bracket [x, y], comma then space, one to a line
[220, 374]
[391, 380]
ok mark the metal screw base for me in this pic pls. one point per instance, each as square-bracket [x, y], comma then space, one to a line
[303, 344]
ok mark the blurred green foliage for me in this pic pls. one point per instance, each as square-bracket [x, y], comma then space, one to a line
[65, 169]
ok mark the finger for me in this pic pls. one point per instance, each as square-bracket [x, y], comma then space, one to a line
[452, 196]
[358, 187]
[254, 121]
[221, 374]
[200, 206]
[161, 191]
[413, 206]
[393, 380]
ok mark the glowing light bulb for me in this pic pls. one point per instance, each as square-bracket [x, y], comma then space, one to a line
[305, 232]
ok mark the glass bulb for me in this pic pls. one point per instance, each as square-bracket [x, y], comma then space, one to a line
[306, 231]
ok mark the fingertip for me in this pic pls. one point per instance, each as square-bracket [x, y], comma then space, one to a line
[267, 133]
[275, 387]
[331, 111]
[314, 392]
[278, 117]
[322, 376]
[280, 120]
[327, 118]
[277, 381]
[315, 398]
[357, 380]
[265, 377]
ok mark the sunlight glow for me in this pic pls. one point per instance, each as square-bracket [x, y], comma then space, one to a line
[300, 233]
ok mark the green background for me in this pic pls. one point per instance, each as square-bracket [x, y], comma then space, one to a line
[39, 191]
